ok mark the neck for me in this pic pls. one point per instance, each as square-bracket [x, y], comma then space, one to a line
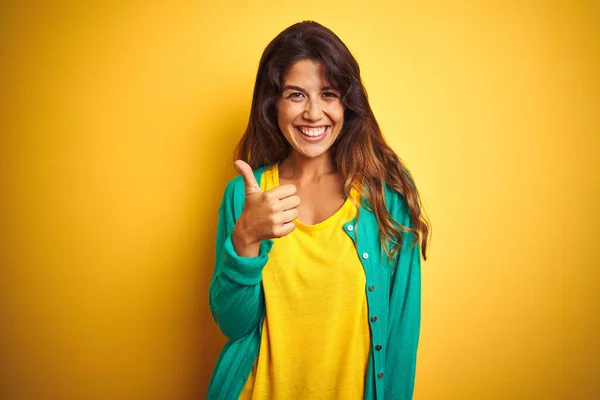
[306, 170]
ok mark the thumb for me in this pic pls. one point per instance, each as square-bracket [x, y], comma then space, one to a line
[249, 179]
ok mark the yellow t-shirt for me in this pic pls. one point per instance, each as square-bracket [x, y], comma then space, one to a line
[315, 338]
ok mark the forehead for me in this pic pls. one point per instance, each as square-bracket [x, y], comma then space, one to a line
[307, 74]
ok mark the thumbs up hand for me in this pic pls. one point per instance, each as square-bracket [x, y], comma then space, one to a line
[266, 215]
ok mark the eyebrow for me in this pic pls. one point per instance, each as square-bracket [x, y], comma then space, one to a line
[298, 88]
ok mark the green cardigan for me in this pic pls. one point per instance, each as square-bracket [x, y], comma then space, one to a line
[393, 294]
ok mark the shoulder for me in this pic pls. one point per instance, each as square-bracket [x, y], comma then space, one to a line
[396, 204]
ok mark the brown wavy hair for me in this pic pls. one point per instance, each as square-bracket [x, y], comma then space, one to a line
[360, 152]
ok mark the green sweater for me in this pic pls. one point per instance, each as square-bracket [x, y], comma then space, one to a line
[393, 294]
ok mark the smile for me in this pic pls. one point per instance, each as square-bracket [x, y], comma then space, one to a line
[312, 134]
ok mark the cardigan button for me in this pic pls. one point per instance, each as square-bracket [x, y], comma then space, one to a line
[365, 255]
[350, 228]
[380, 375]
[378, 347]
[373, 318]
[371, 288]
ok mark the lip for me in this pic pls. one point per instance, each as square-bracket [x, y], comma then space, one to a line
[312, 139]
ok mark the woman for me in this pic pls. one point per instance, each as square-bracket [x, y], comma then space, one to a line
[317, 275]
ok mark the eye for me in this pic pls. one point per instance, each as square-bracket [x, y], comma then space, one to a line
[295, 96]
[330, 95]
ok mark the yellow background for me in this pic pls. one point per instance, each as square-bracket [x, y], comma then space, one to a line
[118, 121]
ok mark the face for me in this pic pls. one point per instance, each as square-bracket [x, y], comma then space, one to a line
[309, 112]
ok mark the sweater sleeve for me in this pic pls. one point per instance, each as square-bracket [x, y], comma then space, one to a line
[404, 319]
[235, 296]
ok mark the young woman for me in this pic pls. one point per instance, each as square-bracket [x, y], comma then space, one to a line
[317, 276]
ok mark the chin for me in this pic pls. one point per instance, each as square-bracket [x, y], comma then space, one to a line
[313, 153]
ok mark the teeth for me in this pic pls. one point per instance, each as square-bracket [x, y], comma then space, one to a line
[314, 132]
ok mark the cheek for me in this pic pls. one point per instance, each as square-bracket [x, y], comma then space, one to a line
[337, 114]
[286, 114]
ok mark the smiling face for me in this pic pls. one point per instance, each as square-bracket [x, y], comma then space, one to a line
[310, 113]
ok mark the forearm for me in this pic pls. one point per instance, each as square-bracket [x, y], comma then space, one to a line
[236, 298]
[237, 310]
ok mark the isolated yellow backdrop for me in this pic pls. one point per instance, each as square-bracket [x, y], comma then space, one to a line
[118, 121]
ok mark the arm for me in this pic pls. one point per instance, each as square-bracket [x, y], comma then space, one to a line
[405, 319]
[235, 295]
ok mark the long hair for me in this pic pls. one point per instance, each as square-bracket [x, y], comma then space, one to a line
[360, 152]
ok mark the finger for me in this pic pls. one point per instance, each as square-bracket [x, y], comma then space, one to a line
[249, 179]
[281, 192]
[290, 202]
[286, 229]
[290, 215]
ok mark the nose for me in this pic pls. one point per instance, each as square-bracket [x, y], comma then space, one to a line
[313, 110]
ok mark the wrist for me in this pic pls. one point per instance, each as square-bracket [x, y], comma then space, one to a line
[243, 243]
[242, 236]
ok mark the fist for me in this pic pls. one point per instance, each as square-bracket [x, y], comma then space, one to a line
[266, 215]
